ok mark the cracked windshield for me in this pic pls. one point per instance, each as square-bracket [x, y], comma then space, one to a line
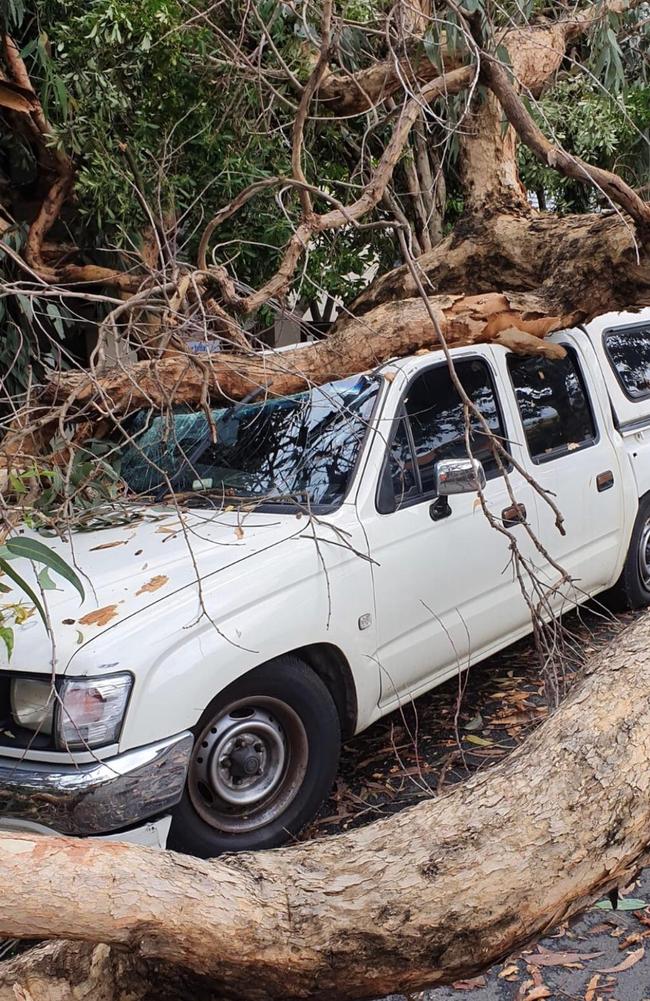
[300, 448]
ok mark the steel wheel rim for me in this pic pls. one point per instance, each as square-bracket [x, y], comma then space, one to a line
[248, 764]
[644, 555]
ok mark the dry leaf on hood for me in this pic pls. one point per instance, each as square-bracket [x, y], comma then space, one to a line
[99, 617]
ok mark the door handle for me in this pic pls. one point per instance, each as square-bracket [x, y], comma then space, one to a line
[604, 481]
[513, 515]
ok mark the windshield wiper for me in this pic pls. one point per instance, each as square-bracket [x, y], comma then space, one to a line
[300, 499]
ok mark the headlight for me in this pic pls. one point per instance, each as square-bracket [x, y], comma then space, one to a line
[91, 711]
[32, 704]
[87, 712]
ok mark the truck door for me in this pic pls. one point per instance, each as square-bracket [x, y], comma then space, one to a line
[444, 580]
[570, 454]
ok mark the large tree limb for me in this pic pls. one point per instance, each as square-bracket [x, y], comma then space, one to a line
[388, 907]
[538, 49]
[394, 328]
[556, 272]
[611, 185]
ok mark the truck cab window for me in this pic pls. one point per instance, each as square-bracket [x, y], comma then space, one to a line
[435, 417]
[553, 403]
[628, 350]
[404, 482]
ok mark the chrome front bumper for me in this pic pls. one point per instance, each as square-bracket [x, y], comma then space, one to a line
[100, 797]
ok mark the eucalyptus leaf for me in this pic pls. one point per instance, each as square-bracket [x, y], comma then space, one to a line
[624, 904]
[32, 549]
[7, 637]
[45, 580]
[7, 569]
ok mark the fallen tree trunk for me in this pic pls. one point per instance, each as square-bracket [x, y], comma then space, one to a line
[550, 273]
[438, 892]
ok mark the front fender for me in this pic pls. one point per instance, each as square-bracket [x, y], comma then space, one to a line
[189, 647]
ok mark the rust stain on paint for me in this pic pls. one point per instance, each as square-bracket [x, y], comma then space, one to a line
[99, 617]
[152, 585]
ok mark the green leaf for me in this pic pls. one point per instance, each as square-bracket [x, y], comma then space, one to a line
[503, 56]
[7, 637]
[17, 484]
[45, 580]
[480, 741]
[624, 904]
[24, 586]
[32, 549]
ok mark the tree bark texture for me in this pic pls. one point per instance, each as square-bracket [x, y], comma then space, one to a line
[436, 893]
[550, 273]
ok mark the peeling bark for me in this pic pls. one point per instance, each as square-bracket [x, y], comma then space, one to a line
[389, 907]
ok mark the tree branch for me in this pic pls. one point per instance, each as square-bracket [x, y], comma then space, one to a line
[355, 93]
[613, 186]
[313, 83]
[341, 215]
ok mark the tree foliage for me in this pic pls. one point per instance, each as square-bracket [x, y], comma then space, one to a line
[147, 94]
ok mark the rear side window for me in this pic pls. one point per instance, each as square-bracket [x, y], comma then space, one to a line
[628, 350]
[553, 403]
[431, 427]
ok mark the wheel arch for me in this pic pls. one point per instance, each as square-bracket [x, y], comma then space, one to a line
[331, 665]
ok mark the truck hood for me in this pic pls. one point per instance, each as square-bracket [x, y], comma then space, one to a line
[127, 568]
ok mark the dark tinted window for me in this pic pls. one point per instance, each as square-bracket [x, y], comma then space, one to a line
[629, 352]
[436, 419]
[553, 404]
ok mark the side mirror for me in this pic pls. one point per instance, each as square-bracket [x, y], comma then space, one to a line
[458, 476]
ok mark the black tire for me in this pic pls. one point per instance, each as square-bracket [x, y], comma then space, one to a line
[632, 589]
[282, 717]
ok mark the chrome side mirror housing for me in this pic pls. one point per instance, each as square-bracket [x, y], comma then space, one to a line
[458, 476]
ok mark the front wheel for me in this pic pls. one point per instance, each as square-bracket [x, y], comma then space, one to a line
[265, 758]
[632, 589]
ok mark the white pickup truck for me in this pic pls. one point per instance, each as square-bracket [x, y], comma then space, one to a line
[328, 559]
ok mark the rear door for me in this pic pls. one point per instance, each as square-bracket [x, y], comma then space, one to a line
[570, 454]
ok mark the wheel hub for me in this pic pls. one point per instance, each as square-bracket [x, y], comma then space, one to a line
[242, 760]
[248, 764]
[242, 763]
